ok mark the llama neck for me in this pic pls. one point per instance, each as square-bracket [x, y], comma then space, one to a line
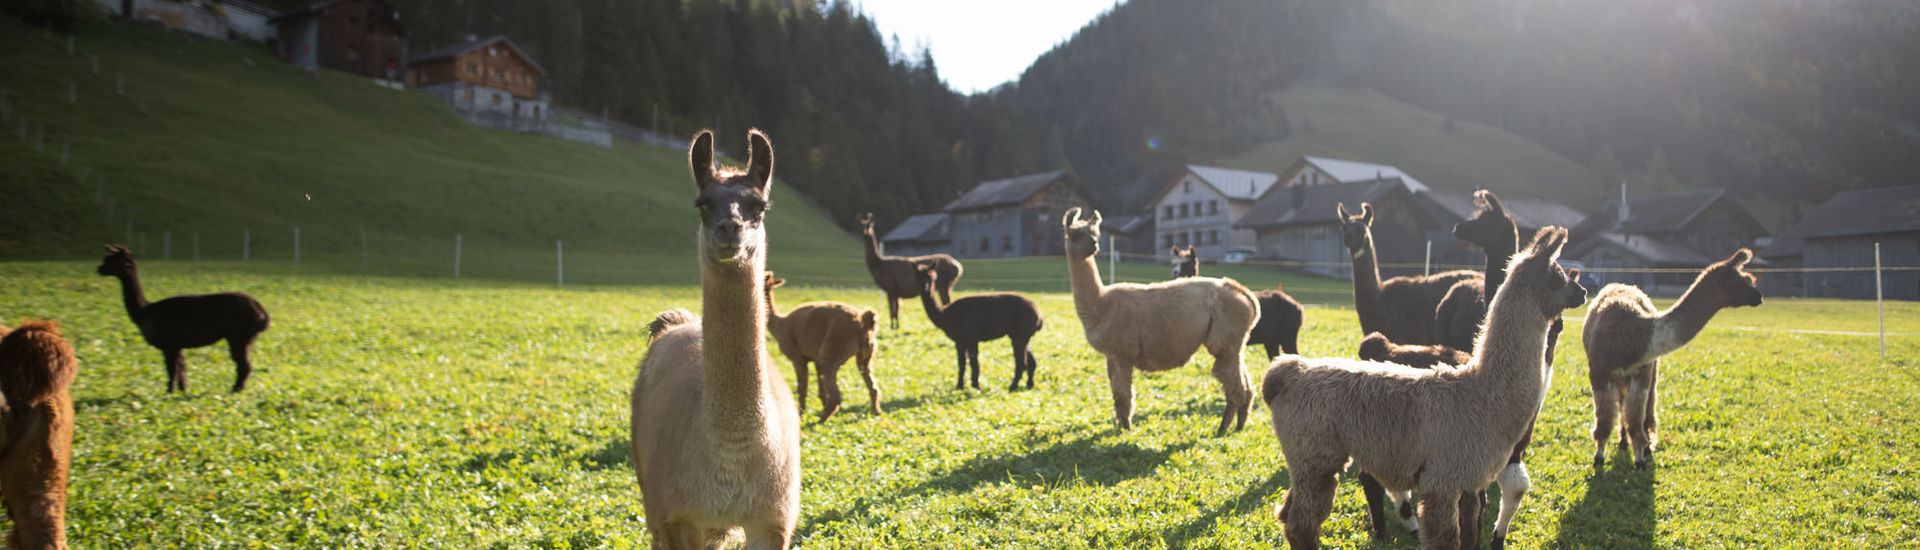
[733, 354]
[1087, 289]
[1512, 345]
[1497, 256]
[130, 293]
[935, 313]
[1366, 290]
[774, 318]
[873, 250]
[1678, 325]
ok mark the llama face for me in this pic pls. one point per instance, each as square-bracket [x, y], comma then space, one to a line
[1730, 281]
[1536, 273]
[924, 275]
[119, 262]
[1355, 230]
[1185, 264]
[1083, 237]
[866, 224]
[1489, 225]
[732, 203]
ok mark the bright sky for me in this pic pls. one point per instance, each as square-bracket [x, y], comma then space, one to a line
[979, 44]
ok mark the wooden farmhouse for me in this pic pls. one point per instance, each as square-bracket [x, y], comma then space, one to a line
[1841, 234]
[1198, 209]
[1301, 223]
[1014, 217]
[920, 235]
[1682, 231]
[482, 75]
[363, 37]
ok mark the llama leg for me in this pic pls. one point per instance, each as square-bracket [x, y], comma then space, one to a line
[973, 358]
[769, 537]
[1469, 515]
[800, 382]
[1632, 422]
[1307, 506]
[1652, 422]
[1033, 365]
[1020, 356]
[1233, 381]
[960, 357]
[1439, 515]
[1120, 379]
[865, 362]
[1273, 350]
[238, 349]
[1289, 342]
[1606, 405]
[1514, 483]
[893, 310]
[172, 361]
[829, 390]
[1376, 498]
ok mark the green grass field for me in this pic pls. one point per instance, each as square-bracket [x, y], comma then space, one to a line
[419, 412]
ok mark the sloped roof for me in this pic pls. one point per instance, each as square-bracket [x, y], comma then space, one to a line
[1656, 214]
[1863, 212]
[1242, 185]
[383, 12]
[1127, 224]
[1528, 214]
[1783, 247]
[921, 228]
[1006, 191]
[465, 46]
[1350, 171]
[1318, 203]
[1656, 251]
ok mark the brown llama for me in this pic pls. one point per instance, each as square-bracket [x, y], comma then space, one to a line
[716, 435]
[1375, 347]
[36, 430]
[826, 334]
[894, 274]
[1401, 307]
[1626, 337]
[1156, 327]
[981, 317]
[188, 321]
[1444, 433]
[1280, 315]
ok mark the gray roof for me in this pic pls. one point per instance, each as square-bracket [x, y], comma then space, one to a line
[1863, 212]
[1241, 185]
[1528, 214]
[465, 46]
[1656, 214]
[921, 228]
[1350, 171]
[1318, 203]
[1656, 251]
[1783, 247]
[1126, 224]
[1006, 191]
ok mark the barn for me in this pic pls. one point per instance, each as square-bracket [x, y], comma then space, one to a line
[1300, 223]
[1680, 232]
[920, 235]
[1841, 234]
[363, 37]
[1014, 217]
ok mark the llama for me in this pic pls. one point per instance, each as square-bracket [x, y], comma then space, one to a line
[1157, 327]
[982, 317]
[1402, 307]
[188, 321]
[1444, 433]
[716, 435]
[826, 334]
[894, 274]
[1457, 319]
[36, 430]
[1375, 347]
[1280, 315]
[1626, 337]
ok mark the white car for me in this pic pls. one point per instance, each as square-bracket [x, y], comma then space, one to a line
[1239, 254]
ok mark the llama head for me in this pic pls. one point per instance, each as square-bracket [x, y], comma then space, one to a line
[1490, 227]
[1728, 282]
[1083, 234]
[1185, 263]
[732, 202]
[866, 223]
[1535, 273]
[774, 282]
[1355, 230]
[118, 263]
[924, 275]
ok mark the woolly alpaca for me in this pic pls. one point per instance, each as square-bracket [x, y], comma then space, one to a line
[826, 334]
[188, 321]
[716, 435]
[1625, 338]
[982, 317]
[1402, 307]
[36, 429]
[894, 274]
[1157, 327]
[1280, 316]
[1445, 433]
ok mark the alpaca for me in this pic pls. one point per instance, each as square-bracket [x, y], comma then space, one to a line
[826, 334]
[716, 435]
[36, 432]
[1402, 307]
[1185, 262]
[1445, 433]
[894, 274]
[982, 317]
[1157, 327]
[1375, 347]
[1626, 337]
[188, 321]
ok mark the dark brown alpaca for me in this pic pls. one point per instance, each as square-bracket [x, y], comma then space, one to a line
[1402, 307]
[188, 321]
[1376, 347]
[1280, 315]
[36, 426]
[981, 317]
[826, 334]
[894, 274]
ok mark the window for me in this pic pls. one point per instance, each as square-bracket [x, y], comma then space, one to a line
[493, 52]
[1169, 214]
[473, 69]
[1213, 207]
[1183, 210]
[986, 244]
[1187, 187]
[1006, 244]
[1169, 239]
[1183, 239]
[1213, 236]
[498, 75]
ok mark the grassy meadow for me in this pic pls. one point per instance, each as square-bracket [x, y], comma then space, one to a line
[421, 412]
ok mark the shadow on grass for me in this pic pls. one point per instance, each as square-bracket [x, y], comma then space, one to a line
[1256, 496]
[1615, 512]
[617, 453]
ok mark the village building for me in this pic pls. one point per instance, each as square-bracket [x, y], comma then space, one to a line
[1841, 234]
[1446, 209]
[1014, 217]
[1132, 236]
[1198, 209]
[362, 37]
[482, 76]
[1300, 223]
[1310, 170]
[1680, 232]
[920, 235]
[223, 19]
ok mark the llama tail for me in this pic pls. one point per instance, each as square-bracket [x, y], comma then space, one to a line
[1375, 347]
[1275, 380]
[35, 362]
[669, 319]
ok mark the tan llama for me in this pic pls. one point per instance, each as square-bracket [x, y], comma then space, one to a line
[36, 432]
[1157, 327]
[716, 435]
[825, 334]
[1625, 338]
[1443, 433]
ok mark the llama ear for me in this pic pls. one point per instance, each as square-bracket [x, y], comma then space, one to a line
[759, 160]
[1487, 200]
[1741, 257]
[1174, 250]
[1547, 244]
[864, 218]
[1366, 213]
[1095, 222]
[700, 158]
[1342, 208]
[1072, 215]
